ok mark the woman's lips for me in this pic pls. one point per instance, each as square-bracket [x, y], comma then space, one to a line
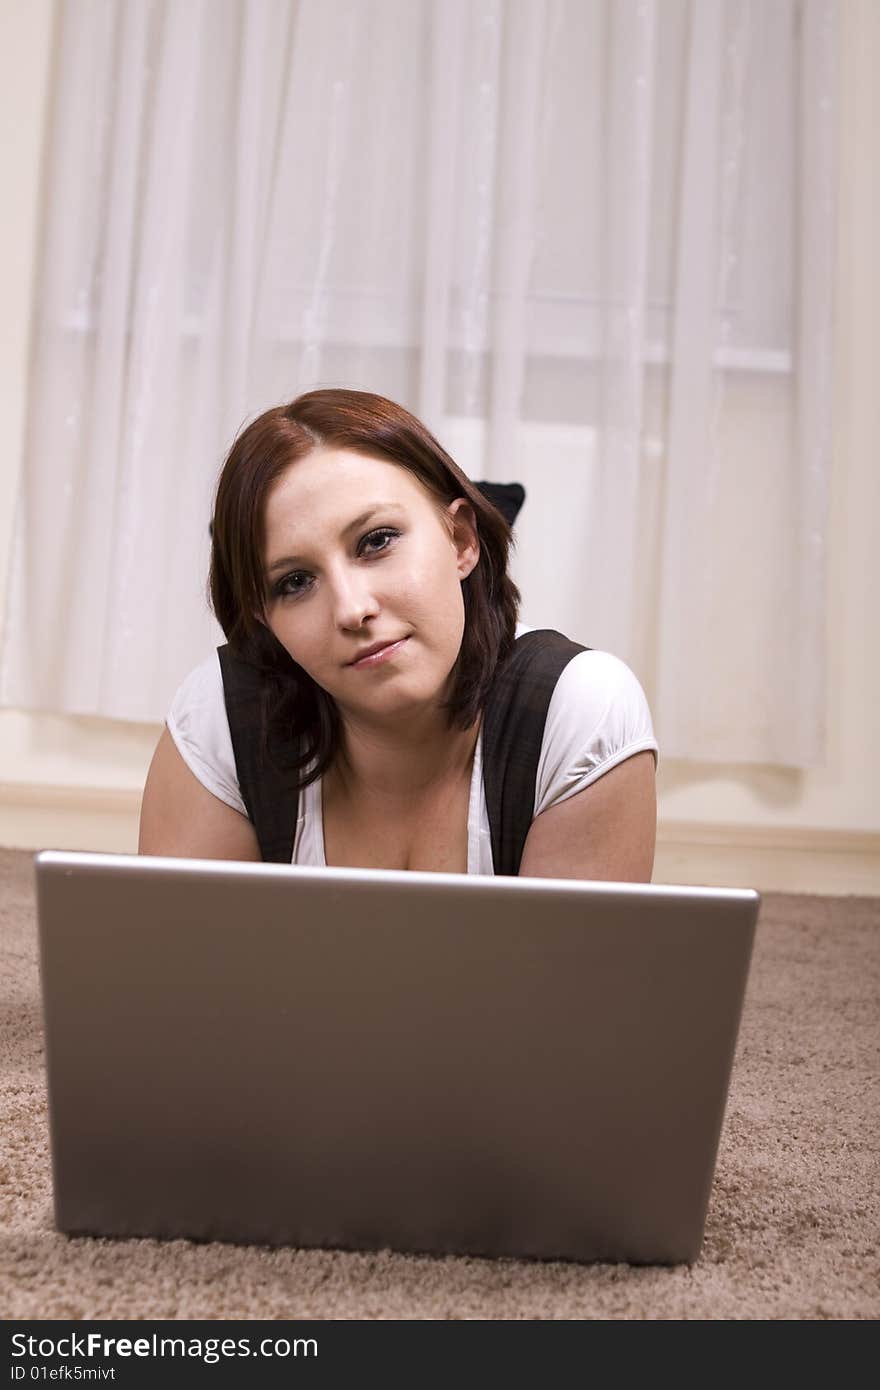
[384, 654]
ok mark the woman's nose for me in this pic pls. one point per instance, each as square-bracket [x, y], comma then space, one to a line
[353, 599]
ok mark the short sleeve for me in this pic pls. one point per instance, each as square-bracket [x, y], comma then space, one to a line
[598, 716]
[198, 724]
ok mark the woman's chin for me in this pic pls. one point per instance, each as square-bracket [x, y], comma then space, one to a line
[394, 703]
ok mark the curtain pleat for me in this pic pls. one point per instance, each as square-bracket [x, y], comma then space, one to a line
[447, 33]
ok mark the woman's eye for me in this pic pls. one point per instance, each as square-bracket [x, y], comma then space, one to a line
[292, 585]
[377, 541]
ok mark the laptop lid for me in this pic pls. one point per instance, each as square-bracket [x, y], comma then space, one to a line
[367, 1059]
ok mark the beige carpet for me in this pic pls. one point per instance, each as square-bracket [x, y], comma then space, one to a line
[794, 1221]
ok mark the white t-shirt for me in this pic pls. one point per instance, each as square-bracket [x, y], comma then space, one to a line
[598, 716]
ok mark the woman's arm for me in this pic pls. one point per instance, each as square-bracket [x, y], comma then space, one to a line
[606, 831]
[182, 819]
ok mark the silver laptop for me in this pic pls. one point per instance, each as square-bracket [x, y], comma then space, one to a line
[365, 1059]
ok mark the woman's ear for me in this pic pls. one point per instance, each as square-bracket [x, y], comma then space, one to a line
[464, 535]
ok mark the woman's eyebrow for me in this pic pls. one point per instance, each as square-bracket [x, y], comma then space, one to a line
[284, 561]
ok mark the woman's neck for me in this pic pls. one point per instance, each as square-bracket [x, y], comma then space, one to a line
[394, 767]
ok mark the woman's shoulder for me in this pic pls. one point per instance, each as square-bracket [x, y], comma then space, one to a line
[203, 684]
[198, 723]
[595, 681]
[591, 676]
[598, 716]
[592, 671]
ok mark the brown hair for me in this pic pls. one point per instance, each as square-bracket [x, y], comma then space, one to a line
[377, 427]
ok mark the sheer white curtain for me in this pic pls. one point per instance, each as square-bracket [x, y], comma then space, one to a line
[600, 229]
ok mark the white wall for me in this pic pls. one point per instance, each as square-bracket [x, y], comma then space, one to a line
[76, 782]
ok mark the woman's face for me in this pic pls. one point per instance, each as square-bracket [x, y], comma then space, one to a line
[358, 553]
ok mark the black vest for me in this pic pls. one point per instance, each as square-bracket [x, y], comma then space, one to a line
[513, 729]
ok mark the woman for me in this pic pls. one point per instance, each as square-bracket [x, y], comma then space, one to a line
[361, 581]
